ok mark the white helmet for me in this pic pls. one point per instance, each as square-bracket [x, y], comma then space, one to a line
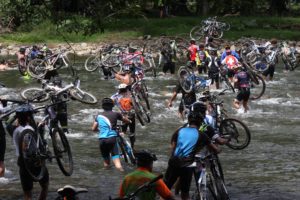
[122, 86]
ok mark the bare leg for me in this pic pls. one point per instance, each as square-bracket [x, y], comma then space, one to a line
[118, 165]
[2, 168]
[27, 195]
[236, 104]
[245, 105]
[106, 163]
[44, 192]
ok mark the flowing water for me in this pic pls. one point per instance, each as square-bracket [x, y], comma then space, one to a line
[267, 169]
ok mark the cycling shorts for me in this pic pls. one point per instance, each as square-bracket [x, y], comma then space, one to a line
[243, 95]
[109, 146]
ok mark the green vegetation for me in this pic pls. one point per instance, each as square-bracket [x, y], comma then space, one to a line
[267, 27]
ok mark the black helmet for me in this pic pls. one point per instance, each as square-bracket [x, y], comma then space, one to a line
[145, 156]
[23, 112]
[199, 107]
[107, 102]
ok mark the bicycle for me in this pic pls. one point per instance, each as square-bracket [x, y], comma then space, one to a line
[37, 68]
[143, 188]
[126, 150]
[33, 149]
[209, 178]
[140, 102]
[69, 192]
[189, 81]
[49, 89]
[230, 128]
[209, 27]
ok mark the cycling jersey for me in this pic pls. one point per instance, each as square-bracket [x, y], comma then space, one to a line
[107, 122]
[230, 61]
[123, 102]
[201, 57]
[234, 53]
[193, 51]
[243, 79]
[139, 177]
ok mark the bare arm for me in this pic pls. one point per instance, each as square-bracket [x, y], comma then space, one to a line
[172, 99]
[214, 148]
[126, 120]
[95, 126]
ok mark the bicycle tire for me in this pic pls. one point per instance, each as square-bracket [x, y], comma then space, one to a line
[228, 129]
[37, 68]
[228, 84]
[221, 191]
[92, 63]
[196, 33]
[31, 93]
[140, 111]
[30, 156]
[184, 79]
[61, 146]
[261, 92]
[217, 33]
[122, 148]
[84, 98]
[144, 94]
[127, 150]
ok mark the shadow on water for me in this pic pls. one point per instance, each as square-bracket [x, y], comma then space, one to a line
[267, 169]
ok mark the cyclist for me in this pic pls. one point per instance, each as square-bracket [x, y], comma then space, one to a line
[271, 69]
[186, 142]
[214, 64]
[23, 119]
[3, 109]
[126, 77]
[144, 174]
[105, 123]
[187, 99]
[3, 65]
[201, 59]
[166, 57]
[228, 51]
[242, 81]
[122, 100]
[34, 52]
[193, 49]
[230, 62]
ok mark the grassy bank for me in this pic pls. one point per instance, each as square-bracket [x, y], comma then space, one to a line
[260, 27]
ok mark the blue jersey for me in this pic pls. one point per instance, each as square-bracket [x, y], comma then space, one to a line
[186, 141]
[107, 122]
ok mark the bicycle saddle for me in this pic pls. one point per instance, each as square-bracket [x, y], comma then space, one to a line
[69, 190]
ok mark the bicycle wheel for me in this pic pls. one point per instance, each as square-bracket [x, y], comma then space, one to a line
[37, 68]
[122, 148]
[185, 79]
[196, 33]
[144, 94]
[257, 89]
[124, 144]
[237, 132]
[83, 97]
[182, 53]
[140, 110]
[37, 94]
[92, 63]
[30, 155]
[62, 151]
[216, 33]
[228, 84]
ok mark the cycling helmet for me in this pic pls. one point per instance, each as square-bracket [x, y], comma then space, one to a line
[145, 156]
[201, 45]
[107, 101]
[192, 41]
[23, 112]
[122, 86]
[199, 107]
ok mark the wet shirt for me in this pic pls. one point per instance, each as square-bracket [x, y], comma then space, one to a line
[188, 98]
[139, 177]
[243, 79]
[107, 122]
[123, 102]
[188, 140]
[230, 61]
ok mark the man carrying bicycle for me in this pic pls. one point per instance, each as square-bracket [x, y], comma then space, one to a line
[186, 142]
[187, 99]
[142, 175]
[123, 101]
[23, 123]
[105, 123]
[193, 49]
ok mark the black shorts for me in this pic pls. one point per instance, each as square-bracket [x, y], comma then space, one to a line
[270, 71]
[27, 181]
[108, 146]
[243, 94]
[214, 76]
[169, 66]
[230, 73]
[184, 173]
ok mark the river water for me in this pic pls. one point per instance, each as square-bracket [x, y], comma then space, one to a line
[267, 169]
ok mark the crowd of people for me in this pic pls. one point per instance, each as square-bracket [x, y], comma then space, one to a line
[198, 133]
